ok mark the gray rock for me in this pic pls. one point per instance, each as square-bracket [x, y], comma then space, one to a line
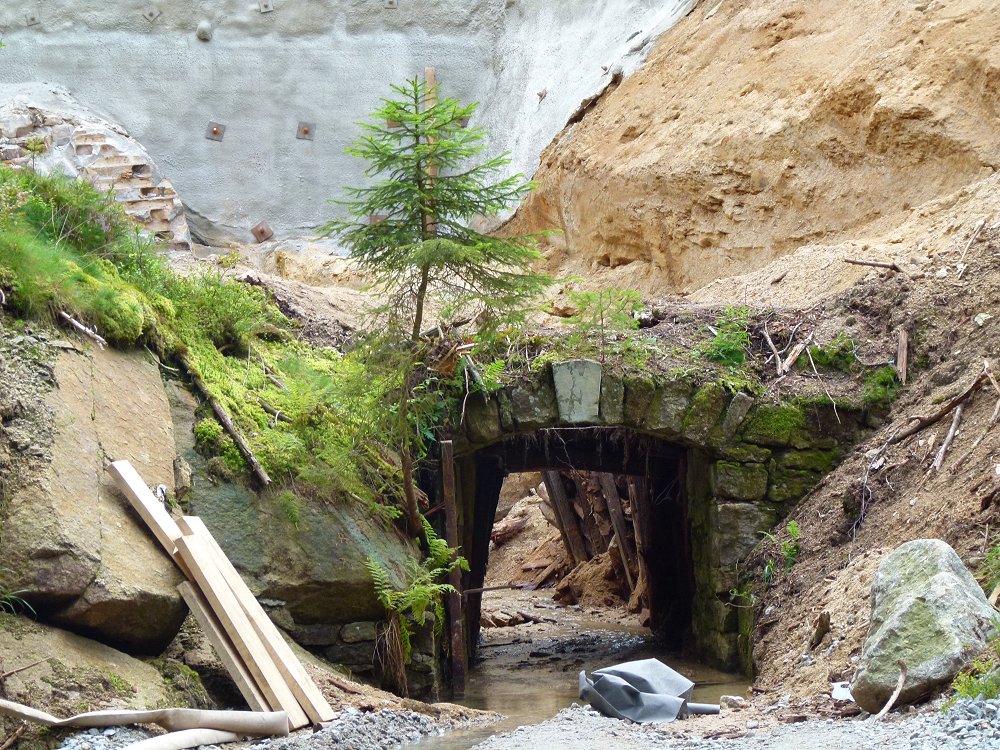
[578, 390]
[928, 611]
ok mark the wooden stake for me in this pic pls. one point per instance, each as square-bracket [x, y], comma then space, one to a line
[455, 617]
[902, 355]
[975, 233]
[568, 524]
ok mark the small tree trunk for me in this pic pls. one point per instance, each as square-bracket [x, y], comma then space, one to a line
[418, 315]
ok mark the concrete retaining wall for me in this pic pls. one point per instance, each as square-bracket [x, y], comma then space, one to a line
[319, 61]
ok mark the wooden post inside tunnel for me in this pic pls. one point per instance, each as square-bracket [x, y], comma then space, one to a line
[455, 629]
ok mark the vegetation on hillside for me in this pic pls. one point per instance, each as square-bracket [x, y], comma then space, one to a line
[309, 415]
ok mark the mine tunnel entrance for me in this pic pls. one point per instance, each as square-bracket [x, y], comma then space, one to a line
[607, 487]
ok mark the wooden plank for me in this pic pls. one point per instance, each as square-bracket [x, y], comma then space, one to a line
[455, 616]
[200, 559]
[567, 517]
[149, 508]
[614, 503]
[223, 647]
[292, 672]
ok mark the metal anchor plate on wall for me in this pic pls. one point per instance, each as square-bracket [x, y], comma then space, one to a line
[306, 131]
[215, 131]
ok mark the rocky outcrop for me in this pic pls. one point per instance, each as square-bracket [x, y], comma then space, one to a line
[79, 143]
[929, 612]
[83, 558]
[76, 674]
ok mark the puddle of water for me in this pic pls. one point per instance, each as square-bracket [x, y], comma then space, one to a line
[532, 680]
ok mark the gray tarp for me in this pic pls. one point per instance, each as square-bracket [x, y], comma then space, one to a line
[641, 691]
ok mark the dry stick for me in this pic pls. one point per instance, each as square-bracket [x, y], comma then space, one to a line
[276, 413]
[873, 263]
[924, 422]
[956, 420]
[902, 355]
[992, 423]
[895, 693]
[975, 233]
[825, 390]
[83, 329]
[13, 672]
[770, 343]
[10, 741]
[227, 425]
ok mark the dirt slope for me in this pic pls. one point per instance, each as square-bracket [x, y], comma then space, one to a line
[756, 128]
[955, 323]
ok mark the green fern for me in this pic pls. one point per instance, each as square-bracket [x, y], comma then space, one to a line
[423, 591]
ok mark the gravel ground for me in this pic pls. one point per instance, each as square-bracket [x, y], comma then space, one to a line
[351, 730]
[969, 724]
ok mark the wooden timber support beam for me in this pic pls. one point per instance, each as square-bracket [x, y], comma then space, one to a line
[568, 525]
[614, 502]
[455, 615]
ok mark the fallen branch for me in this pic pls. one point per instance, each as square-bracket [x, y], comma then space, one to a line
[921, 423]
[83, 329]
[895, 694]
[873, 263]
[345, 686]
[10, 741]
[276, 413]
[774, 349]
[956, 420]
[227, 425]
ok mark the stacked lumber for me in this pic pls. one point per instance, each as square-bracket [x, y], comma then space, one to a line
[263, 666]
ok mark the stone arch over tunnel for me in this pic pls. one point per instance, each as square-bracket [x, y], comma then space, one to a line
[718, 468]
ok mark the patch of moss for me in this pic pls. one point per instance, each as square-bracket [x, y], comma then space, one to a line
[836, 356]
[821, 461]
[881, 387]
[184, 686]
[776, 425]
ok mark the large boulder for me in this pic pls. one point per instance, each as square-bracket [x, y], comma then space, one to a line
[928, 611]
[69, 540]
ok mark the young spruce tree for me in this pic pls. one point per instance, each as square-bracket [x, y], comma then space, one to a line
[410, 228]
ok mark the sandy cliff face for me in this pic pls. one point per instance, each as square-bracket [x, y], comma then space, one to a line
[759, 127]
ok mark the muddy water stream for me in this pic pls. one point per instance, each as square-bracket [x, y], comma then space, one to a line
[529, 673]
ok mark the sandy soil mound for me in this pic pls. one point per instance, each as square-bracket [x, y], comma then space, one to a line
[757, 128]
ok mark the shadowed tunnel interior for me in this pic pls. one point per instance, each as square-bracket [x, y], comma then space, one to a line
[654, 474]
